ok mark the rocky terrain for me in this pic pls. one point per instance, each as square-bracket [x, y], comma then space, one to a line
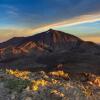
[24, 85]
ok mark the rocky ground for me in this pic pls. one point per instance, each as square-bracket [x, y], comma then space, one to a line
[18, 85]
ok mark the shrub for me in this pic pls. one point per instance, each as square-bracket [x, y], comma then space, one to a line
[16, 84]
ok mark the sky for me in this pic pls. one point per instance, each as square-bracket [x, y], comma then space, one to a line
[28, 17]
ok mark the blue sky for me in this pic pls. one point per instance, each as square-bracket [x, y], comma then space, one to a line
[21, 16]
[83, 29]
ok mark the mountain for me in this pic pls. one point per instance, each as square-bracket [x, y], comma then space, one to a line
[51, 38]
[14, 42]
[48, 50]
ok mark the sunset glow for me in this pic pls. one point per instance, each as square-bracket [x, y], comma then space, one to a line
[23, 20]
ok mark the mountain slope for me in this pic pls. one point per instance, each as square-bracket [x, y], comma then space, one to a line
[48, 41]
[48, 50]
[13, 42]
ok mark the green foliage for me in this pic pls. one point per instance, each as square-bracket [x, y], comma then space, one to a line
[17, 84]
[2, 70]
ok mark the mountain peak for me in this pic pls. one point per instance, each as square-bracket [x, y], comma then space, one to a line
[50, 30]
[51, 38]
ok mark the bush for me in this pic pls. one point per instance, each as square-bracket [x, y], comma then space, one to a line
[16, 84]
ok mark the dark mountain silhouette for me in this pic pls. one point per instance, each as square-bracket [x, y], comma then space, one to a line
[50, 38]
[48, 50]
[14, 42]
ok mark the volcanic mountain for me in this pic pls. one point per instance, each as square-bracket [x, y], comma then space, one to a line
[50, 38]
[49, 50]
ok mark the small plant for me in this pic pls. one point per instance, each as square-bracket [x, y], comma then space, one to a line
[17, 84]
[87, 91]
[19, 74]
[2, 70]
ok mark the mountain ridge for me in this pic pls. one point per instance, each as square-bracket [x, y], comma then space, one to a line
[53, 34]
[48, 49]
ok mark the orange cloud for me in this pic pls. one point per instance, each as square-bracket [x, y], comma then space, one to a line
[90, 18]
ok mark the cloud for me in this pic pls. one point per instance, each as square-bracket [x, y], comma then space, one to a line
[70, 22]
[12, 13]
[8, 11]
[66, 23]
[46, 11]
[40, 15]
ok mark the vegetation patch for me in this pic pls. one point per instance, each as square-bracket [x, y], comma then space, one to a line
[16, 84]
